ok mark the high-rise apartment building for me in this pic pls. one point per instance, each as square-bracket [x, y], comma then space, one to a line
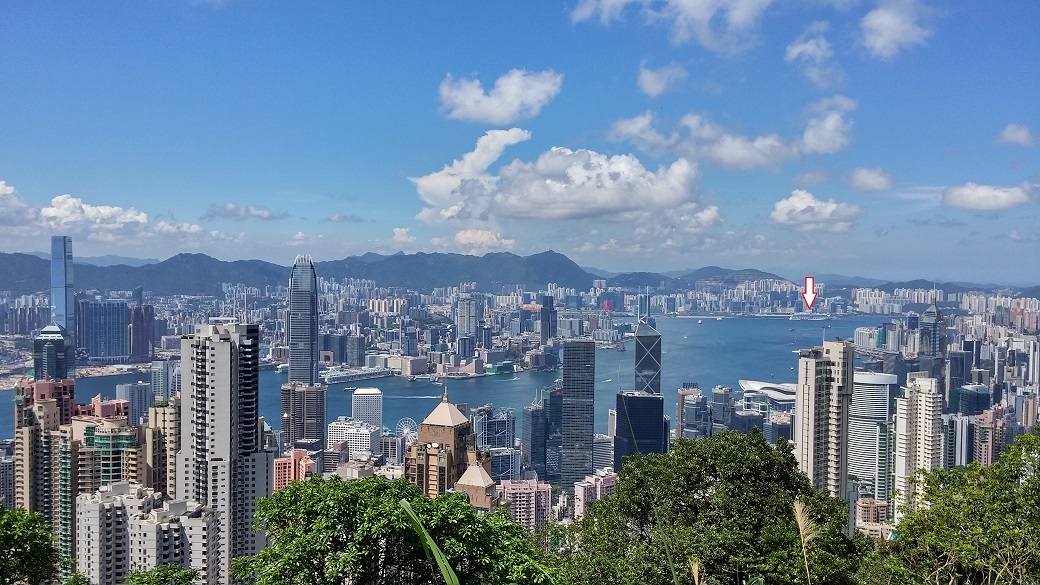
[870, 419]
[821, 417]
[162, 379]
[577, 424]
[530, 502]
[7, 482]
[301, 323]
[221, 463]
[41, 407]
[366, 405]
[304, 410]
[124, 527]
[140, 397]
[594, 487]
[51, 360]
[161, 438]
[108, 333]
[295, 466]
[470, 313]
[648, 359]
[918, 437]
[63, 297]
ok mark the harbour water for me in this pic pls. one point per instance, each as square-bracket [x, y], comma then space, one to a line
[706, 351]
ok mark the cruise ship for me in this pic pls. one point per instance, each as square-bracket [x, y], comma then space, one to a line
[340, 375]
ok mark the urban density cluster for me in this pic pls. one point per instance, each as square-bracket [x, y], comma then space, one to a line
[171, 469]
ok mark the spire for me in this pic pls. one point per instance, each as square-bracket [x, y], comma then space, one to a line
[445, 397]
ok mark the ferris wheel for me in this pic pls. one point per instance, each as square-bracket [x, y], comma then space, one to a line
[407, 428]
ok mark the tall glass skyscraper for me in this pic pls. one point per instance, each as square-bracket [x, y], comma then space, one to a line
[301, 323]
[641, 428]
[579, 388]
[63, 298]
[648, 359]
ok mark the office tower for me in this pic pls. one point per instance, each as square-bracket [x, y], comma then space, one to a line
[301, 323]
[579, 388]
[958, 371]
[140, 397]
[295, 466]
[918, 438]
[466, 345]
[869, 428]
[642, 308]
[594, 487]
[142, 332]
[361, 438]
[303, 413]
[162, 379]
[640, 426]
[505, 463]
[82, 312]
[410, 341]
[356, 348]
[721, 407]
[7, 482]
[63, 297]
[602, 451]
[553, 434]
[493, 430]
[437, 460]
[108, 325]
[50, 358]
[366, 404]
[745, 420]
[547, 318]
[533, 437]
[648, 359]
[692, 414]
[932, 333]
[161, 438]
[531, 502]
[821, 417]
[221, 464]
[470, 313]
[970, 399]
[125, 526]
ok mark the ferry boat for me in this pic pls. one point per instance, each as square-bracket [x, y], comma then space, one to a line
[340, 375]
[282, 368]
[809, 317]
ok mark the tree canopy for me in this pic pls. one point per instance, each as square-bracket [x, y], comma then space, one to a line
[328, 532]
[168, 574]
[28, 554]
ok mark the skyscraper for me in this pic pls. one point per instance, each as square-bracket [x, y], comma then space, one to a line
[108, 333]
[692, 414]
[493, 430]
[63, 297]
[869, 428]
[366, 405]
[640, 425]
[140, 397]
[821, 417]
[162, 379]
[438, 459]
[470, 313]
[51, 360]
[142, 331]
[547, 318]
[304, 413]
[579, 385]
[918, 437]
[648, 359]
[533, 438]
[932, 333]
[301, 323]
[221, 464]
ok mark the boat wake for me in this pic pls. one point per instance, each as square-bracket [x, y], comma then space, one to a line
[415, 397]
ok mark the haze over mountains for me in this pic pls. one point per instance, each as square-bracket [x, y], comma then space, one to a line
[199, 273]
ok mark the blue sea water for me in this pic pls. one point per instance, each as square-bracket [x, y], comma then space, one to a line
[707, 351]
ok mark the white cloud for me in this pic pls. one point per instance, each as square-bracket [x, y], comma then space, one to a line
[439, 189]
[814, 55]
[803, 211]
[101, 222]
[165, 227]
[828, 130]
[341, 218]
[517, 94]
[810, 178]
[401, 236]
[15, 211]
[654, 82]
[719, 26]
[478, 241]
[239, 212]
[987, 197]
[876, 179]
[1015, 134]
[895, 25]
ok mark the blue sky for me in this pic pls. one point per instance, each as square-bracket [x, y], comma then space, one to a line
[889, 138]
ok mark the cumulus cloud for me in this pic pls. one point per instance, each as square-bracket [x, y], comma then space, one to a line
[101, 222]
[803, 211]
[240, 212]
[654, 82]
[479, 241]
[1016, 134]
[810, 178]
[814, 55]
[987, 197]
[827, 130]
[516, 95]
[14, 210]
[876, 179]
[401, 236]
[895, 25]
[723, 27]
[341, 218]
[440, 189]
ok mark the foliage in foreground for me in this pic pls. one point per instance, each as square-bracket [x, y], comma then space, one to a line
[335, 532]
[168, 574]
[976, 525]
[28, 554]
[725, 504]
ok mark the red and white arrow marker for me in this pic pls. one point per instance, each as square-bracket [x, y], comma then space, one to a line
[809, 292]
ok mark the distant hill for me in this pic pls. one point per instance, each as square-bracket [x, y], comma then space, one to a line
[640, 280]
[599, 272]
[921, 283]
[106, 260]
[717, 275]
[842, 280]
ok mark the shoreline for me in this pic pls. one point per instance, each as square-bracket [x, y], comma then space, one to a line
[9, 381]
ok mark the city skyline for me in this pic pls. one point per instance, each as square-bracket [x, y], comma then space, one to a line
[790, 138]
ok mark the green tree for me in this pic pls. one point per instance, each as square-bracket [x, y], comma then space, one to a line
[977, 525]
[168, 574]
[327, 532]
[77, 579]
[28, 554]
[725, 504]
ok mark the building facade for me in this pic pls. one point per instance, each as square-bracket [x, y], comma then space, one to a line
[918, 438]
[577, 424]
[821, 417]
[301, 323]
